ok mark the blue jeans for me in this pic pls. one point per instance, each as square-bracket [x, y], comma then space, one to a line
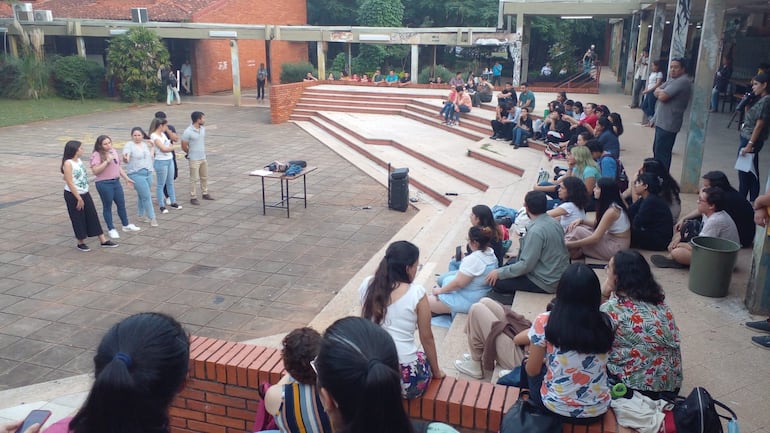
[171, 94]
[648, 104]
[142, 185]
[519, 135]
[448, 110]
[109, 191]
[663, 145]
[463, 109]
[164, 170]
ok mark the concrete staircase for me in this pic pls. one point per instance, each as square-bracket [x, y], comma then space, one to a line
[372, 128]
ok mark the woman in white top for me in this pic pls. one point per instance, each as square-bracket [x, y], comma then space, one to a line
[80, 205]
[137, 155]
[456, 291]
[610, 233]
[390, 300]
[648, 95]
[164, 164]
[574, 199]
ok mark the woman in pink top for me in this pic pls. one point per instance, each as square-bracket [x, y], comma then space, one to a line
[462, 104]
[105, 164]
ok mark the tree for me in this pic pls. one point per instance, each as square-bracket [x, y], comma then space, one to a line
[332, 12]
[379, 13]
[451, 13]
[134, 59]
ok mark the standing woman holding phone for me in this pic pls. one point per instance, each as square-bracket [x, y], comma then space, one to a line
[105, 165]
[80, 206]
[753, 135]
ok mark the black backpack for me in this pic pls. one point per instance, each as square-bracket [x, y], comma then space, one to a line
[621, 178]
[697, 413]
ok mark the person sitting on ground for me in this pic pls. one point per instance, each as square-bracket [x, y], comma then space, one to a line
[568, 353]
[506, 98]
[405, 80]
[377, 78]
[481, 215]
[449, 105]
[588, 123]
[716, 224]
[309, 77]
[558, 134]
[646, 355]
[546, 70]
[355, 78]
[574, 200]
[582, 166]
[579, 113]
[569, 108]
[502, 129]
[365, 78]
[605, 134]
[140, 366]
[483, 93]
[331, 76]
[607, 163]
[523, 129]
[542, 255]
[456, 291]
[391, 300]
[496, 335]
[470, 84]
[736, 206]
[391, 78]
[457, 80]
[462, 104]
[526, 97]
[542, 125]
[651, 223]
[294, 400]
[609, 233]
[617, 123]
[669, 190]
[359, 378]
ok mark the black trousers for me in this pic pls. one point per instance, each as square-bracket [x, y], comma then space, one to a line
[85, 222]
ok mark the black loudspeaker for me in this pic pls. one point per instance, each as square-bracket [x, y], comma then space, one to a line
[398, 189]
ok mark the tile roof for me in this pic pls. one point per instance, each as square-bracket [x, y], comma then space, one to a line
[158, 10]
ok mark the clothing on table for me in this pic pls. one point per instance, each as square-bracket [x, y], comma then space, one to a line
[543, 257]
[301, 410]
[651, 223]
[720, 225]
[490, 329]
[646, 353]
[575, 384]
[478, 265]
[400, 322]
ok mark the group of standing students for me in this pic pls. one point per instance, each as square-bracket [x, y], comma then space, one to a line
[142, 156]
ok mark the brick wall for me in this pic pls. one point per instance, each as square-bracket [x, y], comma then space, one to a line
[283, 99]
[221, 395]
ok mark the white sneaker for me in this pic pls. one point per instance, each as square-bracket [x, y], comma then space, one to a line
[153, 223]
[114, 234]
[470, 368]
[131, 228]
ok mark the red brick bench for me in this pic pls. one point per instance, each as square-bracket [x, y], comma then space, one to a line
[221, 394]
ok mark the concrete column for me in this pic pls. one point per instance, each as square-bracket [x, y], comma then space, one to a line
[633, 54]
[658, 25]
[758, 288]
[708, 62]
[681, 27]
[13, 45]
[518, 46]
[525, 39]
[415, 71]
[236, 65]
[320, 47]
[81, 44]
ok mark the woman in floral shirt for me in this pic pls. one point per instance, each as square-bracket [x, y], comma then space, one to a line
[568, 350]
[645, 355]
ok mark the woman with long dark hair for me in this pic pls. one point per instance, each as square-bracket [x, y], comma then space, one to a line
[80, 205]
[651, 222]
[609, 233]
[138, 156]
[105, 164]
[140, 366]
[669, 189]
[646, 355]
[648, 95]
[164, 163]
[391, 300]
[574, 200]
[754, 132]
[568, 350]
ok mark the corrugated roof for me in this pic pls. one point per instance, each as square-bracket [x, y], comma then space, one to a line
[158, 10]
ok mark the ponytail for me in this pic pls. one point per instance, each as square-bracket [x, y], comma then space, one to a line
[391, 271]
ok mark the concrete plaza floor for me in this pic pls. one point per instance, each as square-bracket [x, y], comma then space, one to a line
[226, 271]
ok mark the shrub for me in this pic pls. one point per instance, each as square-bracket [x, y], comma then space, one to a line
[25, 77]
[340, 63]
[295, 72]
[134, 59]
[77, 78]
[441, 71]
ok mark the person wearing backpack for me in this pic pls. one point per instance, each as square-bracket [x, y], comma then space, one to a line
[261, 80]
[172, 92]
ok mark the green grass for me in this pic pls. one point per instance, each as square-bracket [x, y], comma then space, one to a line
[15, 112]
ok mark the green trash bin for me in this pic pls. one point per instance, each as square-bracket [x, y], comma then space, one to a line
[711, 265]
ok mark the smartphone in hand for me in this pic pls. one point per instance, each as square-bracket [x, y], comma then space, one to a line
[37, 416]
[459, 253]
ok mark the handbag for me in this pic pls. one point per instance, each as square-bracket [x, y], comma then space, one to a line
[525, 417]
[690, 228]
[697, 413]
[263, 420]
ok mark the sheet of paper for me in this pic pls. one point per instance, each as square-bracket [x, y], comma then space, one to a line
[261, 172]
[745, 163]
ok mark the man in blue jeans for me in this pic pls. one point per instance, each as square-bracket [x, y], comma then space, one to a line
[673, 98]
